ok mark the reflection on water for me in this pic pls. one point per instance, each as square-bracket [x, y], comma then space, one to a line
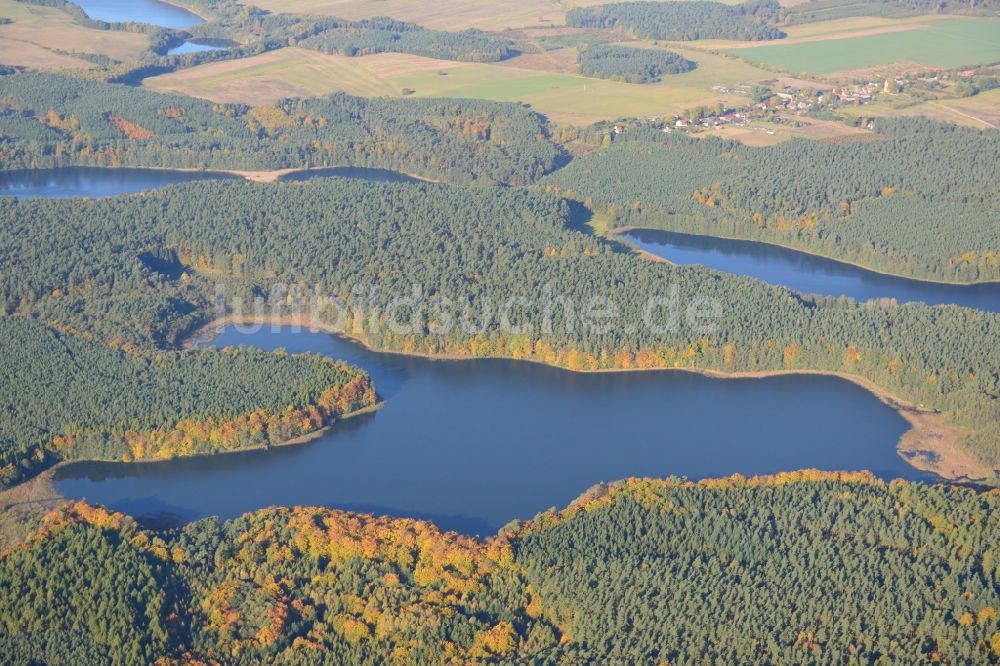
[808, 273]
[140, 11]
[94, 182]
[203, 44]
[474, 444]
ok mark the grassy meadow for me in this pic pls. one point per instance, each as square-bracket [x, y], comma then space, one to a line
[564, 97]
[36, 33]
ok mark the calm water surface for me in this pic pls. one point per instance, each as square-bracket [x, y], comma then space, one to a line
[93, 182]
[807, 273]
[199, 45]
[140, 11]
[474, 444]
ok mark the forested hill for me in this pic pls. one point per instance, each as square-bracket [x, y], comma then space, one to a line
[370, 244]
[623, 63]
[806, 568]
[382, 34]
[49, 120]
[683, 20]
[919, 199]
[66, 398]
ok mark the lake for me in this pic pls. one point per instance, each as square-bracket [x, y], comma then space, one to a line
[140, 11]
[202, 44]
[96, 182]
[807, 273]
[93, 182]
[473, 444]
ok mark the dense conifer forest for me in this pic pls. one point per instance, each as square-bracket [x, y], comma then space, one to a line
[490, 256]
[683, 20]
[368, 245]
[50, 120]
[919, 199]
[380, 35]
[803, 567]
[631, 65]
[68, 398]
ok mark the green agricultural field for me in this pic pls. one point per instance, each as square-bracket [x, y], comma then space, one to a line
[41, 37]
[565, 98]
[943, 43]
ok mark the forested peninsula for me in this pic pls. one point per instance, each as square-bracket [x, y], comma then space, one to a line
[65, 397]
[878, 572]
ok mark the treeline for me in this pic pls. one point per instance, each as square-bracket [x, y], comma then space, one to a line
[640, 571]
[247, 23]
[382, 34]
[916, 200]
[254, 30]
[49, 120]
[631, 65]
[484, 248]
[828, 10]
[261, 31]
[683, 20]
[68, 398]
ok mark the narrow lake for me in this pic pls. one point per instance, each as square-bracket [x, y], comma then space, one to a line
[93, 182]
[202, 44]
[96, 182]
[474, 444]
[808, 273]
[153, 12]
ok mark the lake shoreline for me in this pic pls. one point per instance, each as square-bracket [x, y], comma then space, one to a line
[21, 504]
[263, 176]
[932, 444]
[618, 231]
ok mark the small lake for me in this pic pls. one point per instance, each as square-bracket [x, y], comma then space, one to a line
[808, 273]
[199, 45]
[140, 11]
[474, 444]
[356, 173]
[94, 182]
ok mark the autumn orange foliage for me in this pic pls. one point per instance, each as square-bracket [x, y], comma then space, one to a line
[130, 129]
[260, 427]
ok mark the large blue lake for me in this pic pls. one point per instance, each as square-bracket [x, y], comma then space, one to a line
[93, 182]
[96, 182]
[808, 273]
[474, 444]
[140, 11]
